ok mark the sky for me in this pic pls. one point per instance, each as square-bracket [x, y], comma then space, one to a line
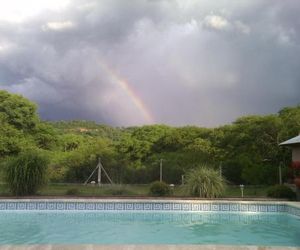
[135, 62]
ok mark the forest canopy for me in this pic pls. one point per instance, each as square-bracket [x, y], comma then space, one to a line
[247, 149]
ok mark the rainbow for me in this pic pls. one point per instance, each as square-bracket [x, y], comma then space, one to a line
[130, 92]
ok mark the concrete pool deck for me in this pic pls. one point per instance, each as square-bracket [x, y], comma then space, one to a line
[142, 247]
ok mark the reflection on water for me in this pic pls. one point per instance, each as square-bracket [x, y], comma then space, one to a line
[33, 227]
[183, 218]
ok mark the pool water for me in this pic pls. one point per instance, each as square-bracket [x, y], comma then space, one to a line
[74, 227]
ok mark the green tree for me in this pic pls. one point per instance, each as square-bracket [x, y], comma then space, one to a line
[19, 124]
[290, 117]
[12, 140]
[133, 151]
[71, 142]
[81, 162]
[247, 144]
[18, 111]
[149, 133]
[170, 142]
[205, 149]
[45, 136]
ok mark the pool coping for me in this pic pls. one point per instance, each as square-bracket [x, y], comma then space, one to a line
[144, 247]
[155, 200]
[139, 199]
[67, 197]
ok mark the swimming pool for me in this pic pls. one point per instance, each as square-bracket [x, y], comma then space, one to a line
[149, 222]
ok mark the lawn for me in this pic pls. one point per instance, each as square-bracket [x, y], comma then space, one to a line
[130, 190]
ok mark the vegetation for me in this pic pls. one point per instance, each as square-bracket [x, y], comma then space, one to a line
[26, 173]
[73, 191]
[205, 182]
[247, 149]
[158, 188]
[281, 191]
[133, 190]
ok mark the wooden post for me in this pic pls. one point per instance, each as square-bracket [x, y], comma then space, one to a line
[280, 174]
[160, 170]
[99, 173]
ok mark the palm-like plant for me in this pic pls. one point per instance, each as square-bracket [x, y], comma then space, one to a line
[205, 182]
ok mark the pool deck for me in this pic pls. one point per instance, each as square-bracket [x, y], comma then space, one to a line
[143, 247]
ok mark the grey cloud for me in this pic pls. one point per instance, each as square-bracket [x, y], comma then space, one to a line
[189, 62]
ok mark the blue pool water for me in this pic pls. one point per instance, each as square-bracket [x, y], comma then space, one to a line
[74, 227]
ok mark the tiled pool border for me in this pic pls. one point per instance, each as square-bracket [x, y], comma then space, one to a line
[292, 208]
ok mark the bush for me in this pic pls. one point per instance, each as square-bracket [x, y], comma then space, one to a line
[118, 190]
[158, 188]
[73, 191]
[281, 191]
[205, 182]
[26, 173]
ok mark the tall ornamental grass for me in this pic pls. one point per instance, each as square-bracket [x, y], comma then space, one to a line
[26, 173]
[205, 182]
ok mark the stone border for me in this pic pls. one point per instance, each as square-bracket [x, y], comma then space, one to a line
[143, 247]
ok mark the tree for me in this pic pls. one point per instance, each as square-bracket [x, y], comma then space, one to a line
[71, 142]
[247, 143]
[150, 133]
[290, 117]
[45, 136]
[133, 151]
[12, 140]
[170, 142]
[81, 162]
[204, 148]
[18, 111]
[18, 124]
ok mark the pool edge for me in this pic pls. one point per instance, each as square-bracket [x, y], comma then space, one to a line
[144, 247]
[163, 205]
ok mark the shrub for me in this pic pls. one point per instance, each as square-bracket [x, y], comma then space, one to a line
[118, 190]
[26, 173]
[73, 191]
[281, 191]
[205, 182]
[158, 188]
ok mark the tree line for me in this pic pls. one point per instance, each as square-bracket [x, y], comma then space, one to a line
[246, 150]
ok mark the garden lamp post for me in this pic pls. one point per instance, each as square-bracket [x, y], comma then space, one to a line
[242, 190]
[280, 173]
[160, 170]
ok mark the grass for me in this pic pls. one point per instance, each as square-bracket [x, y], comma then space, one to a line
[130, 190]
[249, 191]
[117, 190]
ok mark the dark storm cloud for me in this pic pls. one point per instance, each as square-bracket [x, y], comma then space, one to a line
[189, 62]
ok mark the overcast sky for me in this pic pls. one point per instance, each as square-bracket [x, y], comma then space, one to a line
[134, 62]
